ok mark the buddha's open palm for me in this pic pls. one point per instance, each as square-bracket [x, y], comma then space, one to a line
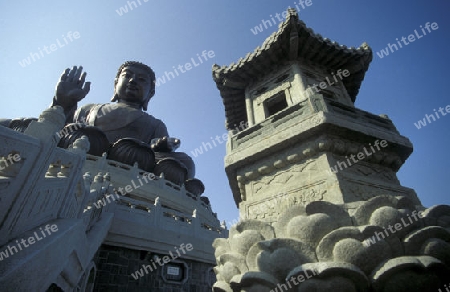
[71, 87]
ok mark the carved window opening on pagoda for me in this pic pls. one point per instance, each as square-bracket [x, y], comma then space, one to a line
[276, 104]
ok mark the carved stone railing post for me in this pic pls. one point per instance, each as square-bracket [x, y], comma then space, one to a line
[197, 225]
[48, 125]
[158, 213]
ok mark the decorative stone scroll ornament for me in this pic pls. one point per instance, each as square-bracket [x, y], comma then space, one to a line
[384, 244]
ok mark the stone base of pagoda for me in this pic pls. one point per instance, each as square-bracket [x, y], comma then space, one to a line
[384, 244]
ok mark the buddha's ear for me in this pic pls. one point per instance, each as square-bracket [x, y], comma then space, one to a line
[145, 103]
[149, 96]
[115, 96]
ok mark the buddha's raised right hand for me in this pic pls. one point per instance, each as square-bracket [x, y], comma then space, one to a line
[71, 87]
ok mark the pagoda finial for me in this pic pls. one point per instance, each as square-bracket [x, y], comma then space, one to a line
[291, 12]
[365, 46]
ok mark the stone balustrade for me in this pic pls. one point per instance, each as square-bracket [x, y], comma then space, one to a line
[45, 184]
[63, 187]
[173, 196]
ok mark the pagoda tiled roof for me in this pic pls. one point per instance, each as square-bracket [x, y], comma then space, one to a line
[293, 41]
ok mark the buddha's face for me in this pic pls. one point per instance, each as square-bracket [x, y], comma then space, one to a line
[133, 85]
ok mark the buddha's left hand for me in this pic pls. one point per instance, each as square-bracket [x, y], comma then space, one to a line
[165, 144]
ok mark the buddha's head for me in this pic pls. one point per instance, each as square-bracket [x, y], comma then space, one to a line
[134, 83]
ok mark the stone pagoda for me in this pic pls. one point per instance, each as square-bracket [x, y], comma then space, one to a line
[315, 178]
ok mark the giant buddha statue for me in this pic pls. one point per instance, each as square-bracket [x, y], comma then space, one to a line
[122, 128]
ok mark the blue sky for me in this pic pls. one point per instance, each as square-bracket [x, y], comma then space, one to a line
[406, 85]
